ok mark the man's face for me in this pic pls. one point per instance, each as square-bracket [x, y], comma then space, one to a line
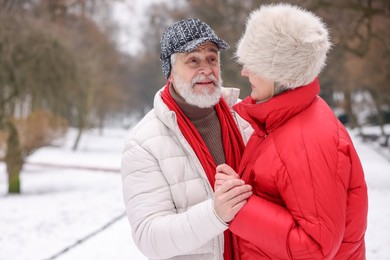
[196, 75]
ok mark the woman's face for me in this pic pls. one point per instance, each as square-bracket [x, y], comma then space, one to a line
[262, 89]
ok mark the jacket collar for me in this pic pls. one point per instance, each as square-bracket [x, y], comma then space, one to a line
[266, 117]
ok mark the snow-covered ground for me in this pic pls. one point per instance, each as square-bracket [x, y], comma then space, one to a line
[72, 208]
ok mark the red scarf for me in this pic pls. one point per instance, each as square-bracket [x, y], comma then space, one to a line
[232, 144]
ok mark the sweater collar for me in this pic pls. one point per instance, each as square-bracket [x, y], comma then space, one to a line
[266, 117]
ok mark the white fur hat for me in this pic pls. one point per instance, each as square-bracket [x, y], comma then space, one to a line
[284, 43]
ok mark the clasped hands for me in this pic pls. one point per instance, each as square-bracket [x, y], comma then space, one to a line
[231, 193]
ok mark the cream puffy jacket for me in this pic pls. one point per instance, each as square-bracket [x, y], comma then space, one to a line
[167, 195]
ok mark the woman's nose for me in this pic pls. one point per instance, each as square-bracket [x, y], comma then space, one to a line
[244, 72]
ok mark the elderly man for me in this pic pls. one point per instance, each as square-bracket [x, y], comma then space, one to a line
[169, 161]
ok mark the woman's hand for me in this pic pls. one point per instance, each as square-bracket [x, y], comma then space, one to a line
[224, 173]
[230, 197]
[231, 193]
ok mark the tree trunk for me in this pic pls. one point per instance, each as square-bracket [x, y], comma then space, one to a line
[77, 141]
[82, 117]
[348, 109]
[13, 159]
[379, 115]
[101, 118]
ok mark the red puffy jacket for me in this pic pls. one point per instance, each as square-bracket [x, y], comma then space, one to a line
[310, 197]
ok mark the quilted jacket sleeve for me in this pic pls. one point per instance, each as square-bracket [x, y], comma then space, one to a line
[159, 231]
[312, 223]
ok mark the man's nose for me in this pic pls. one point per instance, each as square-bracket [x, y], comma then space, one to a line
[206, 68]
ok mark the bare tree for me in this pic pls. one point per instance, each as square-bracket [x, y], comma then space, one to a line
[34, 66]
[359, 31]
[96, 55]
[55, 59]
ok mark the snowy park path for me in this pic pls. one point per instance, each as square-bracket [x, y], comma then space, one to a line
[77, 212]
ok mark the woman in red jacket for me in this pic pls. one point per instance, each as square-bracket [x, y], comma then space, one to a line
[310, 196]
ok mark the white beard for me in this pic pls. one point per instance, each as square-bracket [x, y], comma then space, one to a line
[207, 98]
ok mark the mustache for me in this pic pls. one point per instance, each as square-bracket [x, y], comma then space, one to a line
[197, 78]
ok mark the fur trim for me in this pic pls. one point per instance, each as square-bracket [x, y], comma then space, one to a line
[284, 43]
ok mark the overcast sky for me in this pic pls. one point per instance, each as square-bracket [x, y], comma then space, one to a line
[131, 14]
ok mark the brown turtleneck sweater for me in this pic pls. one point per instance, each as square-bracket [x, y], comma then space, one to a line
[206, 122]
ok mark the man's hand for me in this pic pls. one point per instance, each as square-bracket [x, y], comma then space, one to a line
[230, 197]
